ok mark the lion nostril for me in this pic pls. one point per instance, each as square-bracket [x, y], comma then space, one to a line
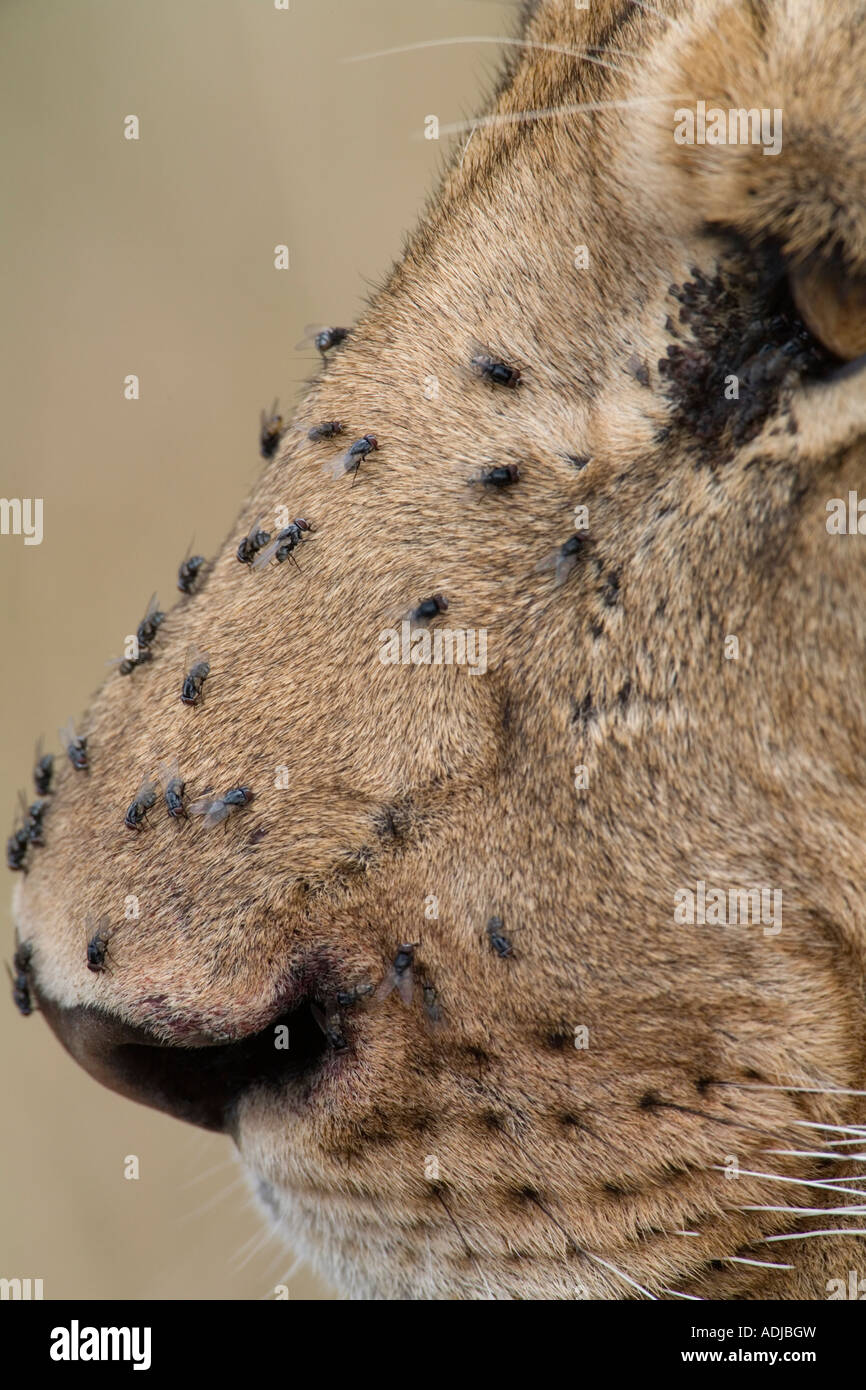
[201, 1084]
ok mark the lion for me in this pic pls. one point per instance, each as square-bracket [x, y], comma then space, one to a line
[540, 975]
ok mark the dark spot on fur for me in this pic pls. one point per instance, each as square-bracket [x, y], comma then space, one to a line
[557, 1039]
[394, 822]
[596, 629]
[579, 461]
[256, 836]
[649, 1100]
[741, 322]
[624, 695]
[583, 711]
[703, 1084]
[610, 591]
[638, 369]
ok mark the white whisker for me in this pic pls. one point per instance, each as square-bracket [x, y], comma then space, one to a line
[284, 1278]
[837, 1129]
[544, 113]
[213, 1201]
[818, 1153]
[621, 1273]
[762, 1264]
[798, 1182]
[209, 1173]
[805, 1235]
[806, 1090]
[498, 40]
[675, 1293]
[812, 1211]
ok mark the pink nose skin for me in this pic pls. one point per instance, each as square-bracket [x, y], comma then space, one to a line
[200, 1084]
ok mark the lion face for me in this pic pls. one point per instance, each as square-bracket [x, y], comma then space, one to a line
[535, 973]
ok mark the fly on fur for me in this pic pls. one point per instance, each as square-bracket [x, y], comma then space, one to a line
[197, 672]
[327, 429]
[138, 808]
[495, 479]
[75, 746]
[17, 846]
[351, 460]
[271, 431]
[563, 560]
[43, 771]
[32, 817]
[20, 980]
[426, 610]
[216, 810]
[499, 942]
[399, 975]
[97, 945]
[149, 625]
[188, 572]
[322, 338]
[172, 789]
[254, 541]
[284, 542]
[489, 367]
[327, 1016]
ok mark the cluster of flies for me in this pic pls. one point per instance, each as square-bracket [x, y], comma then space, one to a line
[214, 810]
[258, 549]
[29, 833]
[399, 977]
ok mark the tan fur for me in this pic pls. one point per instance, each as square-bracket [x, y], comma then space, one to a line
[558, 1167]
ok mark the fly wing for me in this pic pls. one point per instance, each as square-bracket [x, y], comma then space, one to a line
[68, 734]
[202, 806]
[152, 607]
[166, 772]
[217, 813]
[311, 332]
[194, 656]
[405, 986]
[265, 556]
[345, 463]
[384, 989]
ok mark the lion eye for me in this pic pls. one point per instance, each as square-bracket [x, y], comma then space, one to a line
[832, 303]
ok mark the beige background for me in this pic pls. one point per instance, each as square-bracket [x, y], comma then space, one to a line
[156, 258]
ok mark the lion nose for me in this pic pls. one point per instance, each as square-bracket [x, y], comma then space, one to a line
[201, 1084]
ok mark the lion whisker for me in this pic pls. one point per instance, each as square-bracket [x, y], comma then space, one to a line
[805, 1235]
[501, 41]
[762, 1264]
[548, 112]
[798, 1182]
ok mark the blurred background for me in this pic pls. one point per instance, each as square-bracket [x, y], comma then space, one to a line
[155, 257]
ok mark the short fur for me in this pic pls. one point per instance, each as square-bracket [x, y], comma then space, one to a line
[560, 1172]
